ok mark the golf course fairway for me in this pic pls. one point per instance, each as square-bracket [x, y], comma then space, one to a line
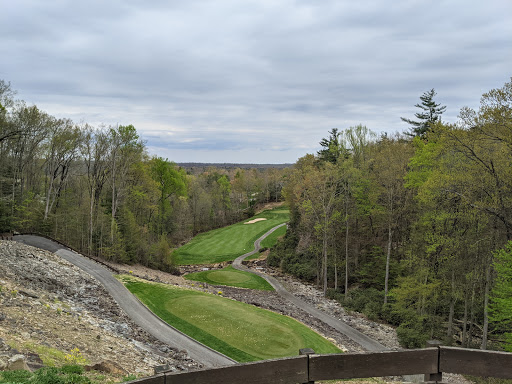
[238, 330]
[228, 243]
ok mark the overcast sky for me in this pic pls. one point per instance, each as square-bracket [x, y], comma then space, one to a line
[251, 81]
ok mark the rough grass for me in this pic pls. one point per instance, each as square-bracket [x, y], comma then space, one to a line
[238, 330]
[228, 243]
[271, 240]
[231, 277]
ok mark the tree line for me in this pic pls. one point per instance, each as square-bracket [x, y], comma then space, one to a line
[414, 229]
[98, 190]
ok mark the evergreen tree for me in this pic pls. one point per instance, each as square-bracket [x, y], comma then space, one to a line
[333, 148]
[430, 114]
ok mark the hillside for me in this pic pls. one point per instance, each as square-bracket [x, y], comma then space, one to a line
[49, 307]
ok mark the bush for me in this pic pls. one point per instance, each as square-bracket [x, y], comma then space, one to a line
[68, 369]
[369, 298]
[70, 374]
[412, 335]
[15, 376]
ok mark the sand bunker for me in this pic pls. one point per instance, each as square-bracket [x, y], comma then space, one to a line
[255, 220]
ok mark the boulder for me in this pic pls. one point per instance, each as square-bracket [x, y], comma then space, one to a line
[107, 366]
[16, 363]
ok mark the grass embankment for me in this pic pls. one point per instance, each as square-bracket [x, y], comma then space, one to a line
[228, 243]
[238, 330]
[232, 277]
[271, 239]
[67, 374]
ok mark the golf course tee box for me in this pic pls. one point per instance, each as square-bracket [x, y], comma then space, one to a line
[241, 331]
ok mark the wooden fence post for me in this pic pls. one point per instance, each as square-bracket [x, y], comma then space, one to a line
[434, 377]
[307, 352]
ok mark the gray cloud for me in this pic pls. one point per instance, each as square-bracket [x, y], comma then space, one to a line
[225, 78]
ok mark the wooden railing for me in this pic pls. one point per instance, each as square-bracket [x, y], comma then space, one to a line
[309, 367]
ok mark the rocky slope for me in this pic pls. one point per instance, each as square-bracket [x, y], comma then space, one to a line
[51, 311]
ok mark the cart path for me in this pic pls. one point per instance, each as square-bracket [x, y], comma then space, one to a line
[138, 312]
[360, 338]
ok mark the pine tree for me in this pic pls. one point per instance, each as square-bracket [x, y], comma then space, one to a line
[431, 112]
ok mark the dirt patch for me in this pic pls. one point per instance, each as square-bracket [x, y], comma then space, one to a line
[267, 206]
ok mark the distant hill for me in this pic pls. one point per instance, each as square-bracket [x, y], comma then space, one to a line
[204, 166]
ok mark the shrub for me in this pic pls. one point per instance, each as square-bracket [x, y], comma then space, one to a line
[15, 376]
[129, 377]
[412, 335]
[75, 357]
[77, 369]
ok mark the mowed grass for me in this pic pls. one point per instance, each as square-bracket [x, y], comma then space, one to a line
[232, 277]
[238, 330]
[228, 243]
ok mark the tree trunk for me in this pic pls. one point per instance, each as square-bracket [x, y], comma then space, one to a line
[335, 276]
[91, 212]
[346, 261]
[388, 257]
[465, 321]
[472, 317]
[48, 194]
[449, 332]
[324, 251]
[486, 304]
[112, 223]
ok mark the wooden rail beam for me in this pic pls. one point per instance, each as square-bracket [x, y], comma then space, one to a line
[283, 371]
[346, 366]
[476, 362]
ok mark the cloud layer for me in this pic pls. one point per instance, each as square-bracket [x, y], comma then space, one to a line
[260, 81]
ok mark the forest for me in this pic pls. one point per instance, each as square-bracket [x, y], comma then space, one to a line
[413, 229]
[98, 190]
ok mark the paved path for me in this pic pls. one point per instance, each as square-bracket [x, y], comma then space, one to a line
[352, 333]
[139, 313]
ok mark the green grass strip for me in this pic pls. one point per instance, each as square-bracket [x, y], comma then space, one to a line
[231, 277]
[271, 240]
[228, 243]
[238, 330]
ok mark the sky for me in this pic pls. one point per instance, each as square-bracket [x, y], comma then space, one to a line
[232, 81]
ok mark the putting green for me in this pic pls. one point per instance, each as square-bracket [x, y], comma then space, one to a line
[232, 277]
[238, 330]
[228, 277]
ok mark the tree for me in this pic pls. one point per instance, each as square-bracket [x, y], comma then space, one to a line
[317, 196]
[389, 169]
[61, 149]
[500, 307]
[95, 150]
[171, 182]
[125, 149]
[7, 130]
[430, 114]
[334, 147]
